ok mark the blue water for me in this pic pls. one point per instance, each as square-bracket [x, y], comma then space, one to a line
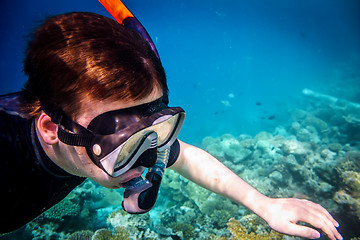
[236, 67]
[252, 51]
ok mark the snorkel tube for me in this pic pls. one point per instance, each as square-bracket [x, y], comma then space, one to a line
[123, 16]
[140, 193]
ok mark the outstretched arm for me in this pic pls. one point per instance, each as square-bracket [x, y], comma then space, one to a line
[281, 214]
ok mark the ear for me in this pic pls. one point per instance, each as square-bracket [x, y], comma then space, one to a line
[47, 129]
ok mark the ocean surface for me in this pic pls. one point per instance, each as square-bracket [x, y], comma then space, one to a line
[276, 82]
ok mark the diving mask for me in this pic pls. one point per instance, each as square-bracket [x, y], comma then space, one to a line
[119, 140]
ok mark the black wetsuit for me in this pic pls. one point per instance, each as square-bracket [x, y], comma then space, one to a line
[30, 183]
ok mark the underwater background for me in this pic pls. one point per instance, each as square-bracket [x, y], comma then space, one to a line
[271, 88]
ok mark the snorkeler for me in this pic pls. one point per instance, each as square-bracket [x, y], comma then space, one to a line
[95, 106]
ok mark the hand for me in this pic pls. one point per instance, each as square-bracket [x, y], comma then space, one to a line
[282, 215]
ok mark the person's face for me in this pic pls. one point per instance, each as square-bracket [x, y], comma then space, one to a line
[75, 159]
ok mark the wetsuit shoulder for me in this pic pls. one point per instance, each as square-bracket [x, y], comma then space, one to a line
[30, 182]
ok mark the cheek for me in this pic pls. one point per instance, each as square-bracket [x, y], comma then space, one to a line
[83, 156]
[90, 169]
[82, 162]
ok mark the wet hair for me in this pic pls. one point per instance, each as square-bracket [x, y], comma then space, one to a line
[78, 56]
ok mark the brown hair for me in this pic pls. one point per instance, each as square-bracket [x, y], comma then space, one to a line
[78, 55]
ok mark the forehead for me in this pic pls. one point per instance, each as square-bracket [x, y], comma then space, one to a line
[93, 108]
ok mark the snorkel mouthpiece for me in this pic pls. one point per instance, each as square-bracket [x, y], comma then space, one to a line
[141, 193]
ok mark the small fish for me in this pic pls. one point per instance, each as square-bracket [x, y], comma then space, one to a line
[272, 117]
[219, 112]
[258, 103]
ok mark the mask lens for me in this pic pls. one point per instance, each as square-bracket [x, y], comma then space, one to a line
[163, 128]
[131, 146]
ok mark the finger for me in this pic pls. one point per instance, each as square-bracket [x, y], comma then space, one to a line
[323, 211]
[327, 227]
[319, 220]
[301, 231]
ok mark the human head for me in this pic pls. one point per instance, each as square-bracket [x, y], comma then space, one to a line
[81, 66]
[81, 56]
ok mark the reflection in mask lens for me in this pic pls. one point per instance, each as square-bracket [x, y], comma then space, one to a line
[164, 127]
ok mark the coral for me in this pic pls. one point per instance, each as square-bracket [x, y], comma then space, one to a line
[263, 136]
[335, 147]
[328, 155]
[102, 234]
[277, 177]
[170, 187]
[109, 197]
[254, 223]
[180, 214]
[137, 226]
[219, 210]
[81, 235]
[290, 163]
[296, 148]
[220, 218]
[298, 115]
[214, 147]
[239, 232]
[120, 234]
[43, 231]
[215, 202]
[349, 194]
[354, 158]
[64, 208]
[123, 219]
[228, 147]
[187, 230]
[342, 197]
[196, 193]
[326, 170]
[320, 125]
[351, 180]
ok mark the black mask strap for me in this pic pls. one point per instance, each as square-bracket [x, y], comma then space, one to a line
[75, 139]
[67, 128]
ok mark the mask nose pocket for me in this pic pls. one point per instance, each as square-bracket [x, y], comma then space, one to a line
[145, 153]
[148, 158]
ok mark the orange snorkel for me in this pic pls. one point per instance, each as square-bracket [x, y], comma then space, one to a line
[117, 9]
[123, 16]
